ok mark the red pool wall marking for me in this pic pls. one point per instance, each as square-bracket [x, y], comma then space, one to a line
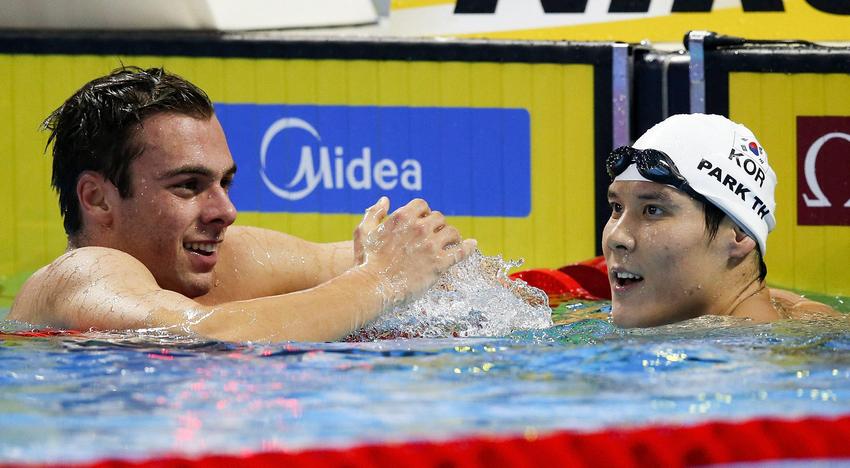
[716, 442]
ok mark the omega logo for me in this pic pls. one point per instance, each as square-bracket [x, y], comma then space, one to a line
[819, 200]
[823, 170]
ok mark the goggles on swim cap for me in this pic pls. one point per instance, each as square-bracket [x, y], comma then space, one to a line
[720, 159]
[653, 165]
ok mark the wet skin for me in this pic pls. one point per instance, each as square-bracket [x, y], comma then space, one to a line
[176, 218]
[164, 257]
[662, 267]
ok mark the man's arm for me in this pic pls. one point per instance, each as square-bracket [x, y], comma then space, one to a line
[257, 262]
[95, 287]
[118, 292]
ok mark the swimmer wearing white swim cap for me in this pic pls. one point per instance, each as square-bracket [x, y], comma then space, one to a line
[692, 203]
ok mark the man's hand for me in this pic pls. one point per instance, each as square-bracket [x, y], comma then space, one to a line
[108, 289]
[373, 218]
[409, 250]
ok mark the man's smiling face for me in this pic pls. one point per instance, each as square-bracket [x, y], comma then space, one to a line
[178, 211]
[662, 267]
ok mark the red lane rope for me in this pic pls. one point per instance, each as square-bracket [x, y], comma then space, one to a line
[40, 333]
[673, 446]
[583, 280]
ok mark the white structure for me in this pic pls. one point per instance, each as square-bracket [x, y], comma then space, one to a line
[212, 15]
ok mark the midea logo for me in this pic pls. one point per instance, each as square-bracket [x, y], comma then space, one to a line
[337, 174]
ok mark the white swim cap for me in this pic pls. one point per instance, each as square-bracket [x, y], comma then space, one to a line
[721, 160]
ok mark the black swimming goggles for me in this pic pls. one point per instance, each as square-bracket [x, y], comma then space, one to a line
[653, 165]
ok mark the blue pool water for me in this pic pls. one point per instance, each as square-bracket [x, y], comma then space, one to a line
[81, 398]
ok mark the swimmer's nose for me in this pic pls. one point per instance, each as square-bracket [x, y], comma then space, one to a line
[618, 235]
[219, 208]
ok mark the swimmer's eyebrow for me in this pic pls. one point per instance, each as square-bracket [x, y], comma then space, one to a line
[657, 195]
[196, 170]
[654, 195]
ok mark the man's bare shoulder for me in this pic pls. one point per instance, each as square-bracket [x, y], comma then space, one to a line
[796, 306]
[86, 264]
[55, 294]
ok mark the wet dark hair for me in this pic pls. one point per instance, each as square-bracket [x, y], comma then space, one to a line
[94, 129]
[713, 217]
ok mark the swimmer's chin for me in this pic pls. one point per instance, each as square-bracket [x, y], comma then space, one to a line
[200, 291]
[622, 320]
[625, 318]
[192, 290]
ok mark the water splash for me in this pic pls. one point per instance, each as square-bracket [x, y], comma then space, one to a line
[473, 298]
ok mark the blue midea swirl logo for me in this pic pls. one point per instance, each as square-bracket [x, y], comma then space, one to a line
[356, 173]
[340, 159]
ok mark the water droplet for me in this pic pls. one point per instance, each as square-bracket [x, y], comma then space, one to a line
[473, 298]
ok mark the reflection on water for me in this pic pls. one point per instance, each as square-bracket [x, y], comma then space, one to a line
[486, 360]
[132, 395]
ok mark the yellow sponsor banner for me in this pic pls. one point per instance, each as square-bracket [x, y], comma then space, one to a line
[805, 257]
[656, 21]
[558, 99]
[402, 4]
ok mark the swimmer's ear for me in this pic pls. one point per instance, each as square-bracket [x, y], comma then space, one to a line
[742, 244]
[92, 192]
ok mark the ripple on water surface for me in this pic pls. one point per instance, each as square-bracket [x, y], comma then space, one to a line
[137, 395]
